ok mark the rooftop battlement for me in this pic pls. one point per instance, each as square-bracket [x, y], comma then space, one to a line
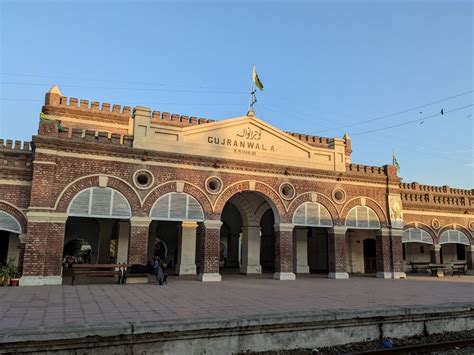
[174, 119]
[417, 187]
[15, 146]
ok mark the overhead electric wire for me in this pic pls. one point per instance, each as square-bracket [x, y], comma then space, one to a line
[412, 121]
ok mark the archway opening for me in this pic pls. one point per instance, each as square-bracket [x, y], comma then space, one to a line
[370, 265]
[230, 239]
[10, 229]
[163, 243]
[267, 241]
[453, 246]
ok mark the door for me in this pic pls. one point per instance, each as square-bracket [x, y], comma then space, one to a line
[370, 265]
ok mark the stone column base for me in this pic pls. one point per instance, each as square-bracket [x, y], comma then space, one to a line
[302, 269]
[284, 276]
[208, 277]
[184, 269]
[251, 269]
[40, 280]
[399, 275]
[384, 275]
[338, 275]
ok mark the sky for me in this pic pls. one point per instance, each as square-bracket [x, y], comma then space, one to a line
[329, 67]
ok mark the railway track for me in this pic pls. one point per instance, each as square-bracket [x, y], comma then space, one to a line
[422, 348]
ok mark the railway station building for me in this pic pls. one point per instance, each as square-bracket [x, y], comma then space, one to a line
[102, 183]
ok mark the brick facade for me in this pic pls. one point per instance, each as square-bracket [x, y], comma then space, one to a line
[44, 180]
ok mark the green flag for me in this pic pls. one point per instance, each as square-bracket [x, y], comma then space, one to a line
[256, 79]
[395, 163]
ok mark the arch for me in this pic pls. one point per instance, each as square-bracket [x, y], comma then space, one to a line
[99, 202]
[245, 209]
[454, 236]
[314, 197]
[423, 226]
[16, 213]
[364, 201]
[171, 186]
[9, 223]
[72, 189]
[312, 214]
[177, 206]
[264, 190]
[417, 235]
[362, 217]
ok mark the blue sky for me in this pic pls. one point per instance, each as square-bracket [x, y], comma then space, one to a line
[327, 66]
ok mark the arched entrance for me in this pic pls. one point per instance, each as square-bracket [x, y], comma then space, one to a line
[97, 229]
[417, 247]
[10, 229]
[247, 233]
[173, 231]
[453, 246]
[362, 223]
[311, 220]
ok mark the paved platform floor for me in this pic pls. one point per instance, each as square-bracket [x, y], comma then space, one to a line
[236, 295]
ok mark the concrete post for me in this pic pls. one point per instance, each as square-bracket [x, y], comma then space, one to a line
[251, 250]
[300, 246]
[187, 249]
[210, 251]
[122, 242]
[284, 252]
[337, 253]
[435, 254]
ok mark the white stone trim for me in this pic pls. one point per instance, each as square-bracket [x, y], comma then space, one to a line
[399, 275]
[40, 280]
[209, 277]
[283, 227]
[212, 224]
[302, 269]
[338, 275]
[284, 276]
[46, 217]
[186, 269]
[251, 269]
[140, 221]
[384, 275]
[14, 182]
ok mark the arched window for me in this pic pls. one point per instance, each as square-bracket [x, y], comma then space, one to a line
[9, 223]
[453, 236]
[177, 206]
[312, 214]
[416, 235]
[362, 217]
[101, 202]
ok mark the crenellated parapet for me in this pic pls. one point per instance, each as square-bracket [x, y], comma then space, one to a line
[415, 194]
[174, 119]
[15, 159]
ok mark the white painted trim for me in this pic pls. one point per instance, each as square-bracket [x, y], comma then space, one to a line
[399, 275]
[384, 275]
[14, 182]
[284, 276]
[441, 214]
[40, 280]
[209, 277]
[338, 275]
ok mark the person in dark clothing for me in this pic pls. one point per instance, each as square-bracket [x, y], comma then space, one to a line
[164, 266]
[159, 271]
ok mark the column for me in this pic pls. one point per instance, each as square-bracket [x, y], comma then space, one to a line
[251, 250]
[137, 253]
[470, 258]
[383, 254]
[284, 252]
[210, 251]
[122, 242]
[42, 263]
[187, 248]
[435, 254]
[397, 253]
[337, 253]
[21, 252]
[301, 250]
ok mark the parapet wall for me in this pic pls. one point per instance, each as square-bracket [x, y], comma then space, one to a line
[174, 119]
[15, 159]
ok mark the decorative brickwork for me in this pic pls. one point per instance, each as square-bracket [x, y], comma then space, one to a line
[323, 200]
[20, 217]
[137, 253]
[383, 250]
[337, 250]
[210, 248]
[283, 251]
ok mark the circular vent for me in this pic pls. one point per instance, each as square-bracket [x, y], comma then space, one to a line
[143, 179]
[287, 191]
[213, 185]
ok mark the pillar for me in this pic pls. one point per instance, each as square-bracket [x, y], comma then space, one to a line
[284, 252]
[397, 253]
[435, 254]
[251, 250]
[42, 263]
[138, 250]
[383, 254]
[300, 246]
[187, 248]
[337, 253]
[21, 252]
[122, 242]
[210, 251]
[470, 258]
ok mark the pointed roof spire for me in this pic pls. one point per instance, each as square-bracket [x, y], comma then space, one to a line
[55, 90]
[346, 136]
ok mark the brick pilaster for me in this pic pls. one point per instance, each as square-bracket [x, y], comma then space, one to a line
[397, 253]
[337, 253]
[383, 253]
[435, 254]
[284, 252]
[138, 248]
[210, 251]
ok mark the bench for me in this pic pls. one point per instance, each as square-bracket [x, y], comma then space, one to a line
[99, 270]
[438, 269]
[459, 268]
[128, 277]
[419, 266]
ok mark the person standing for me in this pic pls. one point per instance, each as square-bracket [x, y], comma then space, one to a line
[160, 276]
